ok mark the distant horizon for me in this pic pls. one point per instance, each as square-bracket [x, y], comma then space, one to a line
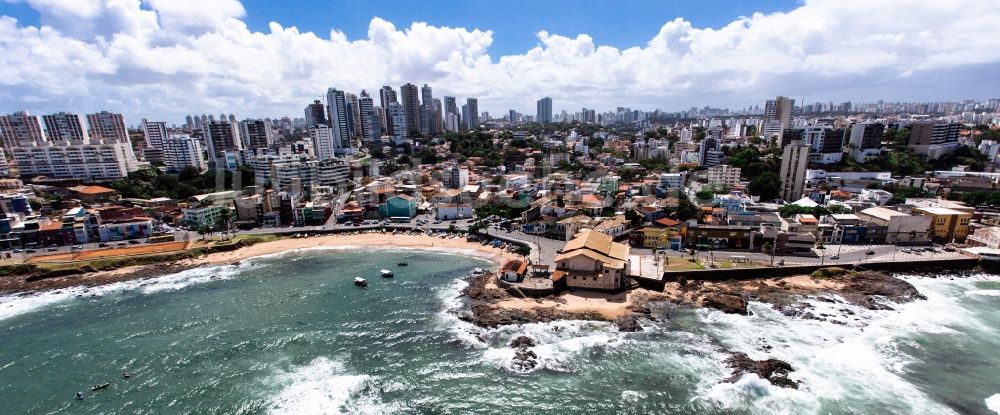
[158, 59]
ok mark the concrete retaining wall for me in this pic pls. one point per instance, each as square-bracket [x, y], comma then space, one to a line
[752, 273]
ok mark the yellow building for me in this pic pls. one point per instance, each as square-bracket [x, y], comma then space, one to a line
[947, 224]
[593, 260]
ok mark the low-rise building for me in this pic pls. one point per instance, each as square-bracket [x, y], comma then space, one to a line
[947, 225]
[592, 260]
[898, 227]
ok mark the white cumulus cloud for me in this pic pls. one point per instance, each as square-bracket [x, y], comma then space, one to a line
[167, 58]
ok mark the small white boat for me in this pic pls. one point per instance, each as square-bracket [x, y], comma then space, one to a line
[386, 273]
[360, 282]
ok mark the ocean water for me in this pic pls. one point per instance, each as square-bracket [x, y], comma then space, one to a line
[290, 333]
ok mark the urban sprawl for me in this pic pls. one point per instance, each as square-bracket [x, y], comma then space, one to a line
[599, 195]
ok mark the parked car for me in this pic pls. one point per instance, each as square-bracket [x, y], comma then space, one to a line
[870, 252]
[835, 257]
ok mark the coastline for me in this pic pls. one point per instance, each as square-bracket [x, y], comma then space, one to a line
[19, 285]
[491, 306]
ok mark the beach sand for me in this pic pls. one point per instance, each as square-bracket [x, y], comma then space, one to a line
[458, 245]
[369, 240]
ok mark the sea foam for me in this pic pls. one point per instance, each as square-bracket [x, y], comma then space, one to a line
[15, 305]
[323, 387]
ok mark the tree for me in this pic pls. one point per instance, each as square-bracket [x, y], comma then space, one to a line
[769, 248]
[523, 250]
[633, 217]
[766, 185]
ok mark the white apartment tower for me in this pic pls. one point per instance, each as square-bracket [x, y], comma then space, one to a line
[794, 161]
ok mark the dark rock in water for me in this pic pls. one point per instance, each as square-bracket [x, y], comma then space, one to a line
[727, 303]
[628, 323]
[524, 361]
[522, 342]
[774, 370]
[866, 289]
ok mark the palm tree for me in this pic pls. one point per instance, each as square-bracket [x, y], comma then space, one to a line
[769, 248]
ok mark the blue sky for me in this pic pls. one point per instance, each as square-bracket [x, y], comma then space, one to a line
[167, 58]
[514, 22]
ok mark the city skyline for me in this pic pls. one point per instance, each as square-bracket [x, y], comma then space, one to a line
[162, 60]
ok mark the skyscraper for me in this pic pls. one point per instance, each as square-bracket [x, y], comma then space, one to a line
[411, 106]
[20, 128]
[473, 117]
[315, 114]
[436, 120]
[426, 95]
[794, 160]
[355, 118]
[386, 96]
[544, 111]
[65, 127]
[336, 108]
[451, 107]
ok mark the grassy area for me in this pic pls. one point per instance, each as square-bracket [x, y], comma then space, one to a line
[677, 264]
[724, 263]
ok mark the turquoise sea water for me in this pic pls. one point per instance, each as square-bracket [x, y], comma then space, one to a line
[291, 334]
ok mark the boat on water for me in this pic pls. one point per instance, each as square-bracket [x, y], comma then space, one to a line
[386, 273]
[402, 264]
[360, 282]
[101, 386]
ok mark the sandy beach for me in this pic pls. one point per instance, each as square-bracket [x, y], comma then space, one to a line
[457, 245]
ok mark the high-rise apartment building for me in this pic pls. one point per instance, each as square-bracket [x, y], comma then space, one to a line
[181, 151]
[411, 105]
[323, 141]
[315, 114]
[21, 128]
[473, 110]
[355, 118]
[255, 134]
[107, 126]
[65, 127]
[366, 107]
[426, 95]
[544, 111]
[451, 107]
[794, 161]
[777, 115]
[865, 140]
[933, 139]
[221, 137]
[155, 132]
[336, 104]
[396, 116]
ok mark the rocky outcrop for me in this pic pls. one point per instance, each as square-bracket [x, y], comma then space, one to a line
[628, 323]
[524, 359]
[490, 316]
[871, 289]
[726, 302]
[774, 370]
[480, 290]
[522, 342]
